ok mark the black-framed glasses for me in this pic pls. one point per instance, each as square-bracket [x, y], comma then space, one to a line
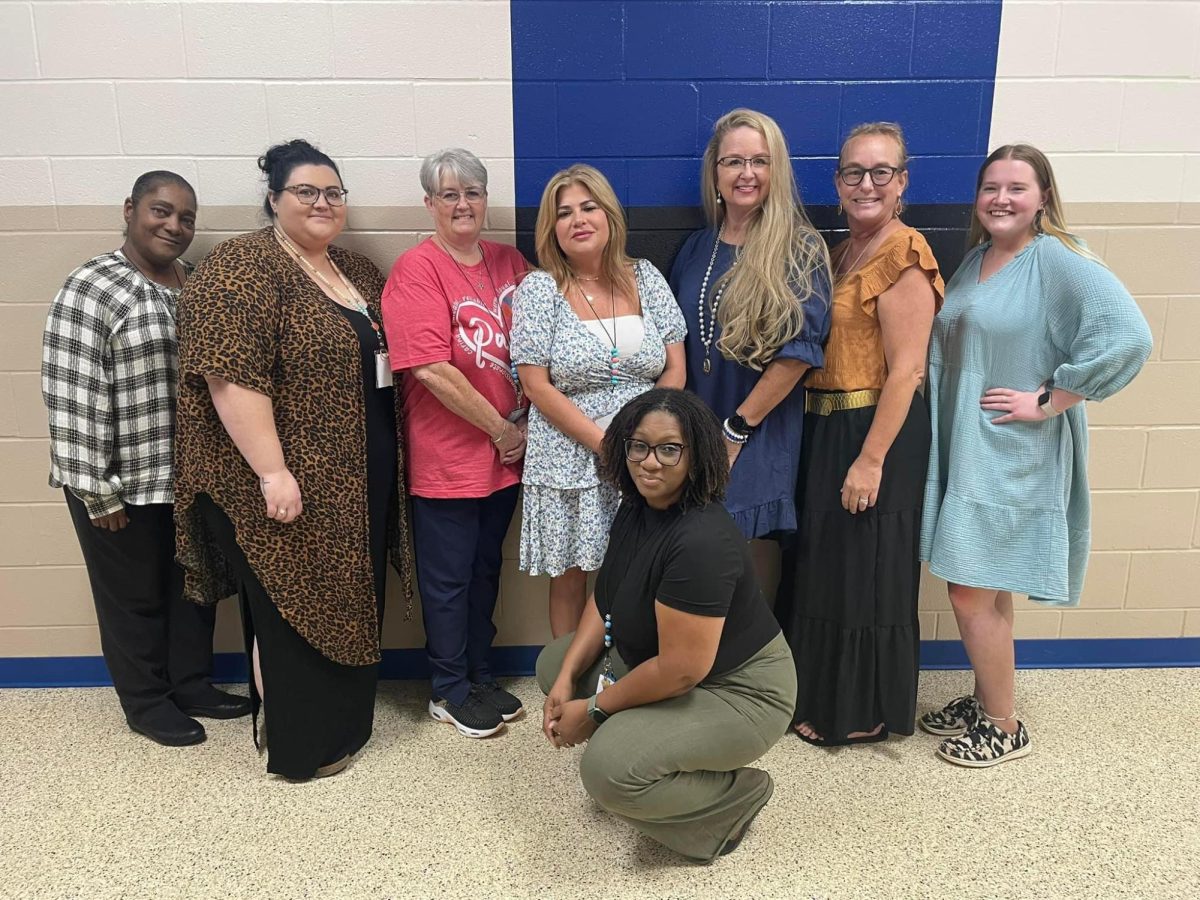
[852, 176]
[668, 454]
[757, 163]
[308, 194]
[451, 198]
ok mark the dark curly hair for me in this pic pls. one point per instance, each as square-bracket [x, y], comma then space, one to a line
[708, 461]
[277, 164]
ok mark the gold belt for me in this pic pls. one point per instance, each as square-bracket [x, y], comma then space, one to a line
[834, 401]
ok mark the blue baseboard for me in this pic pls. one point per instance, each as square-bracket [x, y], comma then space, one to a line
[1081, 653]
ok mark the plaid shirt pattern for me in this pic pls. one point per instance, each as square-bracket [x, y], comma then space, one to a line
[109, 370]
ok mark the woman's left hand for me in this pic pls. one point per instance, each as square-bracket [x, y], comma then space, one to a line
[732, 450]
[860, 489]
[1018, 406]
[516, 453]
[574, 725]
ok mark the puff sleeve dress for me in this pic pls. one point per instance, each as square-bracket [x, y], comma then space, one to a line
[1007, 506]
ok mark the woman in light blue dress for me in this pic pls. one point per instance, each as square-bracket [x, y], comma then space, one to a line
[1033, 325]
[590, 332]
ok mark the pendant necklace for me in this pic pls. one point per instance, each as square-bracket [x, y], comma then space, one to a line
[613, 354]
[512, 367]
[349, 299]
[844, 271]
[706, 337]
[478, 284]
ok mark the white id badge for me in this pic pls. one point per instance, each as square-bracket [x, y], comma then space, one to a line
[383, 369]
[605, 680]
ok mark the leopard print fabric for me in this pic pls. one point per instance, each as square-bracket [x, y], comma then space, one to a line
[251, 316]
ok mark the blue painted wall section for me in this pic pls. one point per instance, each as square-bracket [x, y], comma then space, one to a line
[634, 87]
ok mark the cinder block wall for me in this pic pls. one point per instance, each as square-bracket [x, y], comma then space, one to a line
[93, 93]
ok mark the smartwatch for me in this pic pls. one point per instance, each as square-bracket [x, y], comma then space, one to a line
[739, 425]
[1045, 402]
[595, 713]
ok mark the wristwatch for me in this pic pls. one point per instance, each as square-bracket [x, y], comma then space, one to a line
[595, 713]
[739, 425]
[1045, 401]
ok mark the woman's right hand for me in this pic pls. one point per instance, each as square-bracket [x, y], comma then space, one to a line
[282, 495]
[560, 694]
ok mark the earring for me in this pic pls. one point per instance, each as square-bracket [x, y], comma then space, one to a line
[720, 199]
[840, 210]
[1037, 221]
[899, 207]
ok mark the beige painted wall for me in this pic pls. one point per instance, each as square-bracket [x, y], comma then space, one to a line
[1109, 89]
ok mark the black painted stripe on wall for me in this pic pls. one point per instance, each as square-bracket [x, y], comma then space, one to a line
[657, 232]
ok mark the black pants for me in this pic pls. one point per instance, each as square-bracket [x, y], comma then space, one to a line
[157, 646]
[459, 548]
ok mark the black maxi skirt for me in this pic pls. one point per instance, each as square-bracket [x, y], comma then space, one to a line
[851, 614]
[318, 711]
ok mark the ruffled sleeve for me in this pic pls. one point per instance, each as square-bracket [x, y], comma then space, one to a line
[808, 345]
[885, 270]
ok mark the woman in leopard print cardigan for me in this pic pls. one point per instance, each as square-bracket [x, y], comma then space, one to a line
[290, 463]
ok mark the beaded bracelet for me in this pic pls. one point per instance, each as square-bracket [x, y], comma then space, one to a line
[732, 436]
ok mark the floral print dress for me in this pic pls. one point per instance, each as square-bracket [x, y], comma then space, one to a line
[566, 510]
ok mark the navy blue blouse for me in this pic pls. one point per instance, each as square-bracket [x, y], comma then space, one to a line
[761, 494]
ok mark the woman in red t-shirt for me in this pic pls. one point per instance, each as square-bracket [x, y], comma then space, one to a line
[447, 310]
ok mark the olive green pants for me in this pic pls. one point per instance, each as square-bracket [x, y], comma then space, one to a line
[677, 770]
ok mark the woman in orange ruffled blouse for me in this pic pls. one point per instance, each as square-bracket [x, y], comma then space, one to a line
[850, 608]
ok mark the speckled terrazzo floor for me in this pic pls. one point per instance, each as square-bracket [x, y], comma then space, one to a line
[1101, 809]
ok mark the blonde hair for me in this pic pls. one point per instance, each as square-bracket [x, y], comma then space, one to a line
[884, 129]
[615, 263]
[777, 262]
[1051, 221]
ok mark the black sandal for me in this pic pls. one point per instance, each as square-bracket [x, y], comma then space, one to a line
[882, 735]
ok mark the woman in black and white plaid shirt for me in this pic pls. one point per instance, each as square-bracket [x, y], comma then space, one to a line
[109, 364]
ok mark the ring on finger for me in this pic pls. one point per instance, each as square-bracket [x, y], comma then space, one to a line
[862, 502]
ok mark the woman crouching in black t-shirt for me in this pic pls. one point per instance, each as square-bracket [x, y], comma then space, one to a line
[704, 681]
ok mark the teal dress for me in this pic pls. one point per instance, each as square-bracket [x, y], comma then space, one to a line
[1007, 506]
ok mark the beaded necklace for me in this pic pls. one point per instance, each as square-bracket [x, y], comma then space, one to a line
[613, 371]
[706, 337]
[350, 299]
[512, 367]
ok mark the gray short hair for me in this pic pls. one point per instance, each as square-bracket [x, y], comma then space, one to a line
[463, 164]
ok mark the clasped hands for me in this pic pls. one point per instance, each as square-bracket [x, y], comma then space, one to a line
[565, 722]
[511, 443]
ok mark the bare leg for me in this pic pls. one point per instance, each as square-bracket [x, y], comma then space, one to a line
[568, 596]
[1004, 605]
[258, 683]
[987, 634]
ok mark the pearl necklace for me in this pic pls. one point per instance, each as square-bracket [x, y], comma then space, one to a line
[707, 338]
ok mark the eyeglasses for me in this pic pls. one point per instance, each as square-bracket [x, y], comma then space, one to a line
[757, 163]
[667, 454]
[308, 194]
[451, 198]
[852, 176]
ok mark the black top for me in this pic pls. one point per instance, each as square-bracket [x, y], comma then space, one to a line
[696, 562]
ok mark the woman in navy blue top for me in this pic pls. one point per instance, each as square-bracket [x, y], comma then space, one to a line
[754, 289]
